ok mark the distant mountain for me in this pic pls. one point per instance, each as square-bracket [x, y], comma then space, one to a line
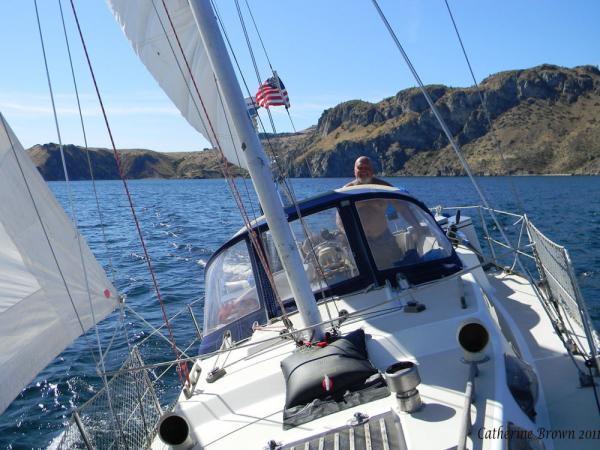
[137, 163]
[545, 119]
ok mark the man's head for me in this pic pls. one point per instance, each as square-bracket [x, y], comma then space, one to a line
[363, 170]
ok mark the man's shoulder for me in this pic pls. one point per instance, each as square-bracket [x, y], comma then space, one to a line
[376, 180]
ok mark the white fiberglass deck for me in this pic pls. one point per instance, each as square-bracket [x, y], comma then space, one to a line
[570, 409]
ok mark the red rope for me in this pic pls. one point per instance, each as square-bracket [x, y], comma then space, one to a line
[227, 170]
[182, 366]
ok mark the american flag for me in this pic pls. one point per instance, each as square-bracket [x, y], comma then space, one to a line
[272, 93]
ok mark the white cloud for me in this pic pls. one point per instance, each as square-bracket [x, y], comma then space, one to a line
[36, 105]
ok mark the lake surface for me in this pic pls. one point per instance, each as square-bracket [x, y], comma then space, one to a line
[184, 221]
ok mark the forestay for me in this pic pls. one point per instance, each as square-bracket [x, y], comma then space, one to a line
[148, 28]
[44, 301]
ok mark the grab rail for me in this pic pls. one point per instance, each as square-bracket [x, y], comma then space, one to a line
[465, 421]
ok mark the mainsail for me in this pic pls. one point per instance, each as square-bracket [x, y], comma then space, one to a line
[148, 28]
[44, 300]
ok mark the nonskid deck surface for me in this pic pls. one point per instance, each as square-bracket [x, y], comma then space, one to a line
[571, 410]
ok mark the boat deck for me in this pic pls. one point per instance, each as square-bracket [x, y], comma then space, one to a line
[516, 304]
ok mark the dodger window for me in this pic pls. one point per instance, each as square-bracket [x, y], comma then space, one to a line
[399, 233]
[231, 290]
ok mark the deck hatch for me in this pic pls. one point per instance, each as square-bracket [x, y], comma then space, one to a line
[377, 433]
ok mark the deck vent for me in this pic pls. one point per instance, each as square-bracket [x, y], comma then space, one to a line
[402, 379]
[174, 431]
[473, 337]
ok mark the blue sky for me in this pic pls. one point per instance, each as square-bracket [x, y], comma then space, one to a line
[326, 52]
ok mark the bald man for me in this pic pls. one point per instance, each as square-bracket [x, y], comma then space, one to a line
[363, 173]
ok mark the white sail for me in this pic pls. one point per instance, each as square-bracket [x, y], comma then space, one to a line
[148, 28]
[44, 301]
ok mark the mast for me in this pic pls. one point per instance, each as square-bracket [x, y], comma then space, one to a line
[258, 165]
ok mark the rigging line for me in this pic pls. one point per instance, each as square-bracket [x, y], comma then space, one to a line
[282, 174]
[486, 112]
[182, 367]
[281, 171]
[244, 179]
[268, 59]
[237, 196]
[245, 30]
[442, 123]
[102, 368]
[217, 144]
[187, 85]
[269, 145]
[93, 182]
[258, 76]
[220, 97]
[258, 33]
[54, 257]
[87, 152]
[27, 184]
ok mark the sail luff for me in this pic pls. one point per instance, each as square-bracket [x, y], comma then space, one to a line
[45, 304]
[195, 94]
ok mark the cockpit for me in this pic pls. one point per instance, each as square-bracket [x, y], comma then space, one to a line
[349, 239]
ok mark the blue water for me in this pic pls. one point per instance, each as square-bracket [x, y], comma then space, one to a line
[184, 221]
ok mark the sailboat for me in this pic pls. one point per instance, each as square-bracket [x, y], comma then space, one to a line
[354, 319]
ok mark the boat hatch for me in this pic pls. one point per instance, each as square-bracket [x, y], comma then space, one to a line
[348, 240]
[381, 431]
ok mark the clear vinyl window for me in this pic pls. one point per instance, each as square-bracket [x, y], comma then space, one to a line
[399, 233]
[326, 254]
[230, 288]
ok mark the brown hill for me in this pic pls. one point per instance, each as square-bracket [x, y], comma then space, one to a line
[137, 163]
[545, 120]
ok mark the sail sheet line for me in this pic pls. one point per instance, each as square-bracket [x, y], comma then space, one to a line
[102, 368]
[74, 221]
[87, 150]
[183, 366]
[69, 192]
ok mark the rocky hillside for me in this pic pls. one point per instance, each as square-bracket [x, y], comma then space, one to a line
[137, 163]
[545, 120]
